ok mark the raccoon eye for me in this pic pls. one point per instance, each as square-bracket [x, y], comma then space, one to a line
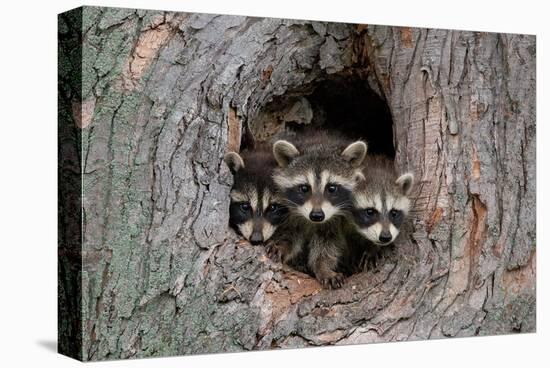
[332, 188]
[304, 188]
[394, 213]
[370, 211]
[244, 207]
[273, 207]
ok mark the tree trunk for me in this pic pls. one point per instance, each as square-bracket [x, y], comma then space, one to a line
[147, 264]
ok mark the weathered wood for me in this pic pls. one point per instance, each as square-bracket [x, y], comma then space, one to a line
[162, 96]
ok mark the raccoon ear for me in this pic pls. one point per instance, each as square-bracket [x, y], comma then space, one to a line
[284, 152]
[355, 153]
[405, 183]
[358, 176]
[234, 161]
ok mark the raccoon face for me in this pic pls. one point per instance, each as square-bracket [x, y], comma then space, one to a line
[255, 211]
[317, 186]
[255, 214]
[379, 212]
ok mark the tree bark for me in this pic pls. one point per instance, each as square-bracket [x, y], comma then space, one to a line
[163, 95]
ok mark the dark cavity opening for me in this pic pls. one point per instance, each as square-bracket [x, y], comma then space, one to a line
[341, 103]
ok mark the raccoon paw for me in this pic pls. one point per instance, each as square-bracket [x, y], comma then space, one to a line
[275, 252]
[334, 281]
[388, 251]
[372, 260]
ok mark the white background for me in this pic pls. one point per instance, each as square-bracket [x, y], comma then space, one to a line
[28, 186]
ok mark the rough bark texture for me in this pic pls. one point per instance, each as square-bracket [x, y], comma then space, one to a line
[163, 95]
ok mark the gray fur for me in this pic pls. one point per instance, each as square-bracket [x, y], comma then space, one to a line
[314, 248]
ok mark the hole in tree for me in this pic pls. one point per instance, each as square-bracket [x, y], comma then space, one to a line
[345, 104]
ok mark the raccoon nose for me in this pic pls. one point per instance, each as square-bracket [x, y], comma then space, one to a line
[256, 238]
[385, 237]
[316, 216]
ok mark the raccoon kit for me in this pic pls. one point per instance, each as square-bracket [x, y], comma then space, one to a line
[381, 201]
[380, 205]
[255, 211]
[316, 177]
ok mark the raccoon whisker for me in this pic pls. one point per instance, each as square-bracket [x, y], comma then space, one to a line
[294, 216]
[341, 216]
[342, 208]
[288, 203]
[346, 203]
